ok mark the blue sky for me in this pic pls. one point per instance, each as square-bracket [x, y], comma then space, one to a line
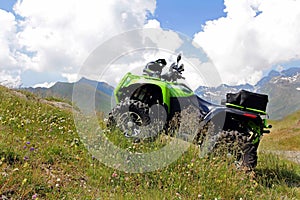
[7, 4]
[44, 41]
[187, 16]
[183, 16]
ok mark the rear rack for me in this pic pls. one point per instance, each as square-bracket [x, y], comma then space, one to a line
[261, 112]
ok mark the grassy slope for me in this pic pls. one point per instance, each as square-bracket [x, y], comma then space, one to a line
[65, 91]
[41, 154]
[285, 134]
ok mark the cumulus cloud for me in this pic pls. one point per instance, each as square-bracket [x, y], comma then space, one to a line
[58, 36]
[10, 78]
[134, 50]
[7, 39]
[9, 57]
[150, 45]
[153, 23]
[254, 36]
[53, 35]
[7, 32]
[71, 77]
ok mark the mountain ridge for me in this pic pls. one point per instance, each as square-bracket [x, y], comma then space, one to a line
[103, 92]
[283, 89]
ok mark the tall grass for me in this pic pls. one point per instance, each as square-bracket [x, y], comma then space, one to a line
[42, 157]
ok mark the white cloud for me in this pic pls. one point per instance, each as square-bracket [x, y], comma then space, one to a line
[57, 36]
[197, 72]
[252, 37]
[54, 35]
[7, 40]
[71, 77]
[10, 79]
[153, 23]
[44, 85]
[12, 56]
[9, 57]
[131, 51]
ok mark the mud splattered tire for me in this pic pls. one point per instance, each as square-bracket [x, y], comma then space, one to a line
[135, 119]
[231, 143]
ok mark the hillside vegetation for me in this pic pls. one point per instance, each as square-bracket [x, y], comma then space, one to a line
[102, 91]
[42, 157]
[285, 135]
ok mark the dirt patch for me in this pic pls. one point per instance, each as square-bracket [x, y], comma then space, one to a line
[19, 94]
[57, 104]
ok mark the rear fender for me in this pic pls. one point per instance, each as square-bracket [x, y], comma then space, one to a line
[228, 119]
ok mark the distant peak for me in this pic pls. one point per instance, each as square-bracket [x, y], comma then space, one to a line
[83, 79]
[274, 73]
[291, 71]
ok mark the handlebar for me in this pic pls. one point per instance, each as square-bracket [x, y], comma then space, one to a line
[180, 77]
[154, 69]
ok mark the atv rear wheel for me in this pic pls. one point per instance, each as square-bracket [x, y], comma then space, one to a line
[233, 144]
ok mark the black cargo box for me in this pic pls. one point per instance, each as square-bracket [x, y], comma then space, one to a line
[248, 99]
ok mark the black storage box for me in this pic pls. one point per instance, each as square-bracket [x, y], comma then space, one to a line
[248, 99]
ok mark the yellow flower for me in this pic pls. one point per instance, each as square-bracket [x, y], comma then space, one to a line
[24, 181]
[25, 165]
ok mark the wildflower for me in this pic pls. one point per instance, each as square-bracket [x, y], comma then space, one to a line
[26, 165]
[27, 142]
[114, 175]
[34, 196]
[26, 158]
[24, 181]
[32, 149]
[24, 147]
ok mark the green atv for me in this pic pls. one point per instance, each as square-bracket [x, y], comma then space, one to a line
[147, 105]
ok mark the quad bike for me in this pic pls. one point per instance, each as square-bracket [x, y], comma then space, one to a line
[148, 103]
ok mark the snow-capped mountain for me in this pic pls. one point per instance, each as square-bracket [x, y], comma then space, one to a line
[284, 93]
[282, 87]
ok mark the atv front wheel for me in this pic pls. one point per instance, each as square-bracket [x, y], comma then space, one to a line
[135, 119]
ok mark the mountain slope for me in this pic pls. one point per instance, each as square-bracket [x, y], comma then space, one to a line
[103, 92]
[284, 94]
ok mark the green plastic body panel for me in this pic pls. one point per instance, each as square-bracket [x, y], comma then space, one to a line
[169, 89]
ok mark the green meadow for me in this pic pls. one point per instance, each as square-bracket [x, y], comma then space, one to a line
[43, 157]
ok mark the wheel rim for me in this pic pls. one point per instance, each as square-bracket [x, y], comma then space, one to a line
[130, 123]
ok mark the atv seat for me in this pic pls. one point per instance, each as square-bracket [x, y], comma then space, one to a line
[154, 68]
